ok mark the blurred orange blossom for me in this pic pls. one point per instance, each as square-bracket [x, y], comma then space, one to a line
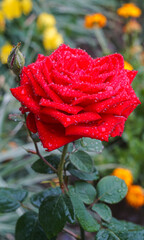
[96, 20]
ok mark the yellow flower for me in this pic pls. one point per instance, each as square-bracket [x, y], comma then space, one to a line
[132, 26]
[135, 196]
[96, 20]
[53, 183]
[129, 10]
[26, 6]
[52, 39]
[45, 20]
[124, 174]
[128, 66]
[11, 9]
[2, 22]
[4, 52]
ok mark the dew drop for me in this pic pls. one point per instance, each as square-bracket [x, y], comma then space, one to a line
[23, 91]
[103, 129]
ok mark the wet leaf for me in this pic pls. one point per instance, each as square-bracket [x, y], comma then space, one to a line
[103, 211]
[120, 226]
[52, 215]
[10, 199]
[82, 161]
[41, 167]
[28, 228]
[90, 176]
[111, 189]
[86, 192]
[92, 145]
[69, 209]
[105, 234]
[37, 199]
[85, 219]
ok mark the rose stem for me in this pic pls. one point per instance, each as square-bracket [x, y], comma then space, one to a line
[61, 166]
[71, 233]
[82, 233]
[38, 152]
[26, 207]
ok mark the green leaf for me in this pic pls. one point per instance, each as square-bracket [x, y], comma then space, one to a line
[86, 192]
[105, 234]
[83, 175]
[69, 209]
[70, 148]
[37, 199]
[111, 189]
[41, 167]
[52, 215]
[125, 230]
[10, 199]
[120, 226]
[103, 211]
[85, 219]
[85, 144]
[134, 235]
[82, 161]
[92, 145]
[28, 228]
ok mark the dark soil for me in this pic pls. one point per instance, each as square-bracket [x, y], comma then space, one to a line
[122, 211]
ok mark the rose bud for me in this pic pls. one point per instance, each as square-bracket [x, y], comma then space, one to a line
[16, 60]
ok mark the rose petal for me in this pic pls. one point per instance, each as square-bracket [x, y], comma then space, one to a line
[101, 131]
[25, 95]
[110, 62]
[40, 58]
[59, 78]
[67, 120]
[53, 136]
[131, 75]
[46, 69]
[60, 106]
[118, 130]
[23, 77]
[36, 87]
[40, 79]
[31, 124]
[106, 104]
[86, 100]
[65, 91]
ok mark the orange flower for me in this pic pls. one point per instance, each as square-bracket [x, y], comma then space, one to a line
[132, 26]
[129, 10]
[128, 66]
[124, 174]
[96, 20]
[135, 196]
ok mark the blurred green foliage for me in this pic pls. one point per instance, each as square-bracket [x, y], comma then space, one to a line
[127, 151]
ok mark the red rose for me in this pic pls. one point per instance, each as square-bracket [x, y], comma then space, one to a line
[69, 95]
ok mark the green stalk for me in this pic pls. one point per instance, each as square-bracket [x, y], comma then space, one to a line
[37, 150]
[61, 168]
[82, 233]
[102, 40]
